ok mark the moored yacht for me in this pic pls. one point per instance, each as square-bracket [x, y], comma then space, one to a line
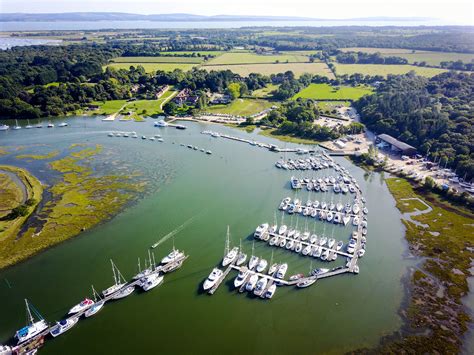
[282, 271]
[306, 282]
[4, 127]
[260, 230]
[175, 254]
[282, 230]
[240, 279]
[251, 283]
[212, 278]
[262, 265]
[63, 326]
[124, 292]
[260, 287]
[271, 291]
[151, 281]
[230, 256]
[85, 304]
[253, 262]
[33, 328]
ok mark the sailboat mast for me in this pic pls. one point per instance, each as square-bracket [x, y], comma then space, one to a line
[29, 316]
[226, 249]
[113, 270]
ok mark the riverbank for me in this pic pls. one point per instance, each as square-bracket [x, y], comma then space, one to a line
[434, 315]
[32, 191]
[78, 202]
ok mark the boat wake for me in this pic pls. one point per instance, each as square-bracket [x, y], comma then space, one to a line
[175, 231]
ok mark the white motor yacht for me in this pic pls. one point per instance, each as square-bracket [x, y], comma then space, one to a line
[339, 245]
[262, 265]
[251, 283]
[253, 262]
[260, 230]
[260, 286]
[331, 242]
[63, 326]
[282, 271]
[81, 306]
[240, 279]
[230, 256]
[175, 254]
[282, 230]
[96, 307]
[212, 278]
[271, 291]
[306, 282]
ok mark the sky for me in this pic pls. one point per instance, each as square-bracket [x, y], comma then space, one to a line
[455, 11]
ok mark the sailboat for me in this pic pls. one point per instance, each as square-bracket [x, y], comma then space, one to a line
[16, 126]
[173, 256]
[33, 328]
[273, 266]
[307, 281]
[119, 281]
[28, 126]
[99, 303]
[242, 257]
[253, 259]
[229, 254]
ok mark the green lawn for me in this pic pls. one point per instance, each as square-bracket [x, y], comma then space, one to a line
[430, 57]
[384, 70]
[109, 107]
[251, 58]
[241, 107]
[328, 92]
[202, 53]
[268, 69]
[160, 59]
[152, 67]
[265, 92]
[331, 105]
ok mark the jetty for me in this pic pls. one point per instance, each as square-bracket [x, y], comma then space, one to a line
[38, 340]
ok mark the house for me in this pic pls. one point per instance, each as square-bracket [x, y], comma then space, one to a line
[217, 98]
[161, 91]
[187, 97]
[395, 145]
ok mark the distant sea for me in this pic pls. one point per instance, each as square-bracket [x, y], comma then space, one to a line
[8, 42]
[100, 25]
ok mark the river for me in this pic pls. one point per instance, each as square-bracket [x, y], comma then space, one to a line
[238, 186]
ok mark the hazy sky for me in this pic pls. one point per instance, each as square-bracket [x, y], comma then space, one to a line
[455, 11]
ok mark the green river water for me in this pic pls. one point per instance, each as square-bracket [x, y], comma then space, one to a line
[238, 185]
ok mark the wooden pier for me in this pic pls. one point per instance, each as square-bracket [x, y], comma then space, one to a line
[37, 341]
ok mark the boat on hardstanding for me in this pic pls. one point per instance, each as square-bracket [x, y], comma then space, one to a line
[82, 306]
[212, 278]
[97, 306]
[33, 328]
[63, 326]
[119, 281]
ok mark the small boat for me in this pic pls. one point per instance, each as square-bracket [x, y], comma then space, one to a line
[298, 247]
[356, 269]
[272, 269]
[241, 257]
[323, 240]
[356, 208]
[96, 307]
[212, 278]
[355, 221]
[282, 269]
[271, 291]
[240, 279]
[230, 256]
[306, 250]
[331, 242]
[282, 230]
[143, 137]
[160, 123]
[319, 271]
[260, 230]
[339, 207]
[297, 235]
[124, 292]
[16, 126]
[260, 286]
[4, 127]
[296, 277]
[111, 134]
[306, 282]
[273, 241]
[63, 124]
[290, 244]
[305, 236]
[272, 229]
[317, 252]
[365, 210]
[63, 326]
[346, 219]
[33, 328]
[337, 218]
[151, 281]
[50, 125]
[282, 243]
[329, 216]
[313, 239]
[251, 283]
[85, 304]
[339, 245]
[208, 152]
[351, 246]
[291, 233]
[262, 265]
[361, 253]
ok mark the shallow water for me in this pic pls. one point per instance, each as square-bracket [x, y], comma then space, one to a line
[238, 186]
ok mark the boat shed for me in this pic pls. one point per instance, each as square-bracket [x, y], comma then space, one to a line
[396, 145]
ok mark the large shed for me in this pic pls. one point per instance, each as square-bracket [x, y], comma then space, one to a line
[396, 145]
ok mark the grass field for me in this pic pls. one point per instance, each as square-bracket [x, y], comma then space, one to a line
[384, 70]
[265, 92]
[202, 53]
[189, 60]
[251, 58]
[430, 57]
[267, 69]
[241, 107]
[152, 67]
[109, 107]
[328, 92]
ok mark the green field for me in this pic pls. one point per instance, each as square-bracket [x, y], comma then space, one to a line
[265, 92]
[431, 58]
[152, 67]
[160, 59]
[328, 92]
[384, 70]
[251, 58]
[109, 107]
[202, 53]
[267, 69]
[241, 107]
[331, 105]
